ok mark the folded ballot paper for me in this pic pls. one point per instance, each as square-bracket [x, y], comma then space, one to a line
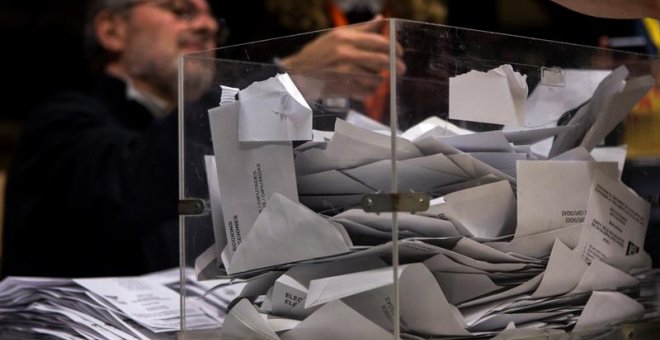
[514, 242]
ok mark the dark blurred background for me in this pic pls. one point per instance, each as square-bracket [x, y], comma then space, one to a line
[43, 39]
[43, 51]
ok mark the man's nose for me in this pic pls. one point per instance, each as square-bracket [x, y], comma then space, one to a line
[204, 21]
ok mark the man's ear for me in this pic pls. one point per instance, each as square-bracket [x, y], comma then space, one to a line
[110, 31]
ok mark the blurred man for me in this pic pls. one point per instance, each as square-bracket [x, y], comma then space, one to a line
[92, 190]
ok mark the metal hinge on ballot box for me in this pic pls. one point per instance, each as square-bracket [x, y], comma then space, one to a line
[401, 202]
[191, 206]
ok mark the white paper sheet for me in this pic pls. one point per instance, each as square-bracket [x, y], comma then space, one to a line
[563, 272]
[531, 136]
[336, 320]
[251, 172]
[285, 224]
[602, 276]
[615, 222]
[424, 307]
[273, 110]
[539, 245]
[617, 107]
[433, 127]
[502, 161]
[366, 146]
[554, 194]
[418, 224]
[331, 182]
[213, 185]
[489, 141]
[460, 287]
[433, 145]
[290, 289]
[496, 96]
[245, 322]
[147, 302]
[364, 121]
[607, 308]
[547, 103]
[496, 205]
[587, 114]
[378, 175]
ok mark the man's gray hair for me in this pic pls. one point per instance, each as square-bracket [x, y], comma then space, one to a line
[94, 52]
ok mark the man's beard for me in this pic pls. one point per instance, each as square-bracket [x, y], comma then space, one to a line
[163, 75]
[197, 76]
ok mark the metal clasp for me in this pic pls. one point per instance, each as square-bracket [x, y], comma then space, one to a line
[405, 202]
[191, 206]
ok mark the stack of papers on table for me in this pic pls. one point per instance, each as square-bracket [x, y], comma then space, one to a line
[143, 307]
[512, 241]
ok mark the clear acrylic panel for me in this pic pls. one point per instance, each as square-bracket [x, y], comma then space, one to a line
[401, 100]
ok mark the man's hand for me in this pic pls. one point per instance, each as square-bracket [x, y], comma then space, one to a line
[348, 60]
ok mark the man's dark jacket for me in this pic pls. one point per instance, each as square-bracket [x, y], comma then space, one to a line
[92, 190]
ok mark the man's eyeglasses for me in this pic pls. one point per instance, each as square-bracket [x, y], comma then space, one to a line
[182, 9]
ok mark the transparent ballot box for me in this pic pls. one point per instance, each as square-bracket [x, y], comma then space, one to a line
[451, 183]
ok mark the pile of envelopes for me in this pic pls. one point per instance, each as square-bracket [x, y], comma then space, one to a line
[514, 239]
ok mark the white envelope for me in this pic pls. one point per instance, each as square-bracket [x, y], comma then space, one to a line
[502, 161]
[546, 103]
[460, 287]
[364, 121]
[423, 305]
[615, 222]
[495, 203]
[539, 245]
[273, 110]
[470, 183]
[617, 107]
[285, 224]
[602, 276]
[421, 225]
[489, 141]
[587, 114]
[218, 221]
[608, 308]
[315, 160]
[331, 182]
[631, 264]
[577, 153]
[531, 136]
[336, 320]
[554, 194]
[249, 172]
[476, 168]
[366, 146]
[433, 145]
[483, 252]
[442, 263]
[290, 290]
[378, 175]
[497, 96]
[245, 322]
[564, 270]
[433, 127]
[362, 234]
[493, 300]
